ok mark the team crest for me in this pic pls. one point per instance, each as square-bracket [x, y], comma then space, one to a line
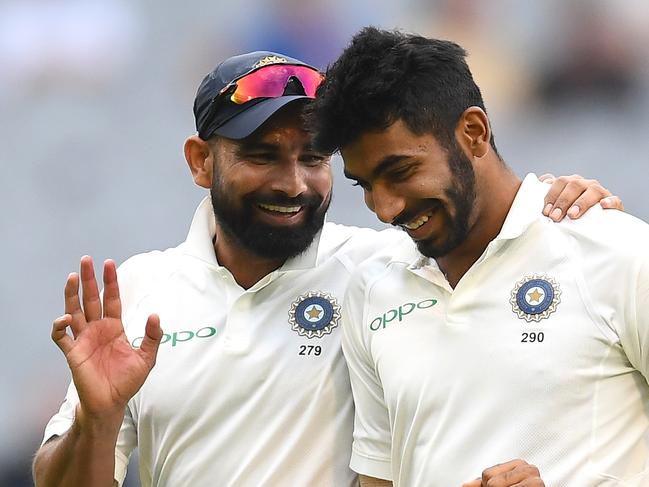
[270, 60]
[535, 297]
[314, 314]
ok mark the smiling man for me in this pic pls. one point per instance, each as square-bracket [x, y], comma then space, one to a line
[249, 386]
[504, 335]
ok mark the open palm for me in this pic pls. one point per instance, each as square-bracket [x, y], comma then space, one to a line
[106, 370]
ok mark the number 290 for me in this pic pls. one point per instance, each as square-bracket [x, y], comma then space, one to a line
[532, 337]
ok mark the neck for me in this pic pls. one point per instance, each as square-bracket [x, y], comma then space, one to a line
[246, 267]
[495, 193]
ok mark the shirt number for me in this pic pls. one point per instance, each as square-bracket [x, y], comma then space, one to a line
[533, 337]
[310, 350]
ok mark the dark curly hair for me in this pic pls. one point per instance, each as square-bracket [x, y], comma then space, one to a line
[385, 76]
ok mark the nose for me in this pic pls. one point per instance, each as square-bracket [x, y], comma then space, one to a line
[385, 203]
[290, 179]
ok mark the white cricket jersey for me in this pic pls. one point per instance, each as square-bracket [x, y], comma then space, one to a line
[250, 387]
[541, 352]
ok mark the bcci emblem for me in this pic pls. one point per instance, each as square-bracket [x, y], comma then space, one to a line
[535, 297]
[314, 314]
[270, 60]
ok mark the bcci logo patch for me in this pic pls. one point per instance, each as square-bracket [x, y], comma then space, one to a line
[314, 314]
[270, 60]
[535, 297]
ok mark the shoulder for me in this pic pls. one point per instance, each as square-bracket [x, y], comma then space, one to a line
[610, 249]
[356, 245]
[385, 266]
[139, 274]
[600, 230]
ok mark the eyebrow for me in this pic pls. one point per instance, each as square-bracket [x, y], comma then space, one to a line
[382, 167]
[256, 146]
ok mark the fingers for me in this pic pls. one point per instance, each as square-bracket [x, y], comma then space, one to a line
[513, 473]
[59, 335]
[612, 202]
[501, 468]
[591, 196]
[572, 196]
[152, 338]
[112, 302]
[90, 291]
[72, 305]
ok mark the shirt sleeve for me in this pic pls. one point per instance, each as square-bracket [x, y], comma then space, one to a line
[371, 449]
[635, 333]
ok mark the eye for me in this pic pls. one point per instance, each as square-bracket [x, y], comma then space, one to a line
[401, 173]
[314, 159]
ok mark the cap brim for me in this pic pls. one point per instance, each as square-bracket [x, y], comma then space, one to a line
[246, 122]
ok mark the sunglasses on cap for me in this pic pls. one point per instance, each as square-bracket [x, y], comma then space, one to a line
[270, 82]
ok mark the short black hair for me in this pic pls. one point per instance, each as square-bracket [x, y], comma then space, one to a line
[384, 76]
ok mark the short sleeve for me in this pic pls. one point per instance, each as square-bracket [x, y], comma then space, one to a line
[371, 448]
[634, 335]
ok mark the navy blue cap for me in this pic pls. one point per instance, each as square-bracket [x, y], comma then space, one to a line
[229, 119]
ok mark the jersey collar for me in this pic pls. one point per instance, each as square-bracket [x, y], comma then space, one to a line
[525, 210]
[200, 238]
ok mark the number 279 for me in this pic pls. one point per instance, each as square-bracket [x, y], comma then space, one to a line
[310, 350]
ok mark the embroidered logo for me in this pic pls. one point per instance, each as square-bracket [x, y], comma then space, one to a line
[535, 297]
[314, 314]
[270, 60]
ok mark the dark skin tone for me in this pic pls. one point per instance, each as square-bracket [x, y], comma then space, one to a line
[405, 178]
[277, 158]
[106, 370]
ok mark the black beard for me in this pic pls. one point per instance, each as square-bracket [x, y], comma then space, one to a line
[264, 240]
[462, 195]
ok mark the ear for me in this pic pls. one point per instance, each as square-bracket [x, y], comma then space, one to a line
[200, 159]
[473, 132]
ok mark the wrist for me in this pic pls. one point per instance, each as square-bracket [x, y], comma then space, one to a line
[98, 426]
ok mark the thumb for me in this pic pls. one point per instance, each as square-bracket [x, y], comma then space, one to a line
[152, 338]
[473, 483]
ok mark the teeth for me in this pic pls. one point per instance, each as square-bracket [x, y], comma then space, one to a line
[281, 209]
[415, 224]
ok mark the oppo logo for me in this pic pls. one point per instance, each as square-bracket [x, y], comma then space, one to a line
[178, 337]
[400, 313]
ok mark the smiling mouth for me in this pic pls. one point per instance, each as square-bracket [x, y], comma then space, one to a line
[280, 209]
[418, 222]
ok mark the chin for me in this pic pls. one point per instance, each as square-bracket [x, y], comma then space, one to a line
[435, 248]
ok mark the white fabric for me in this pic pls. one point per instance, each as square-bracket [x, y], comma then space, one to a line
[445, 386]
[231, 401]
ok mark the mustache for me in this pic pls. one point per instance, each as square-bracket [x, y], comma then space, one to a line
[409, 214]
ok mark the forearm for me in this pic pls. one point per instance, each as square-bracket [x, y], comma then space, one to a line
[84, 455]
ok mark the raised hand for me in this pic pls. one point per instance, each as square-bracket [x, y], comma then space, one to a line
[106, 370]
[516, 473]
